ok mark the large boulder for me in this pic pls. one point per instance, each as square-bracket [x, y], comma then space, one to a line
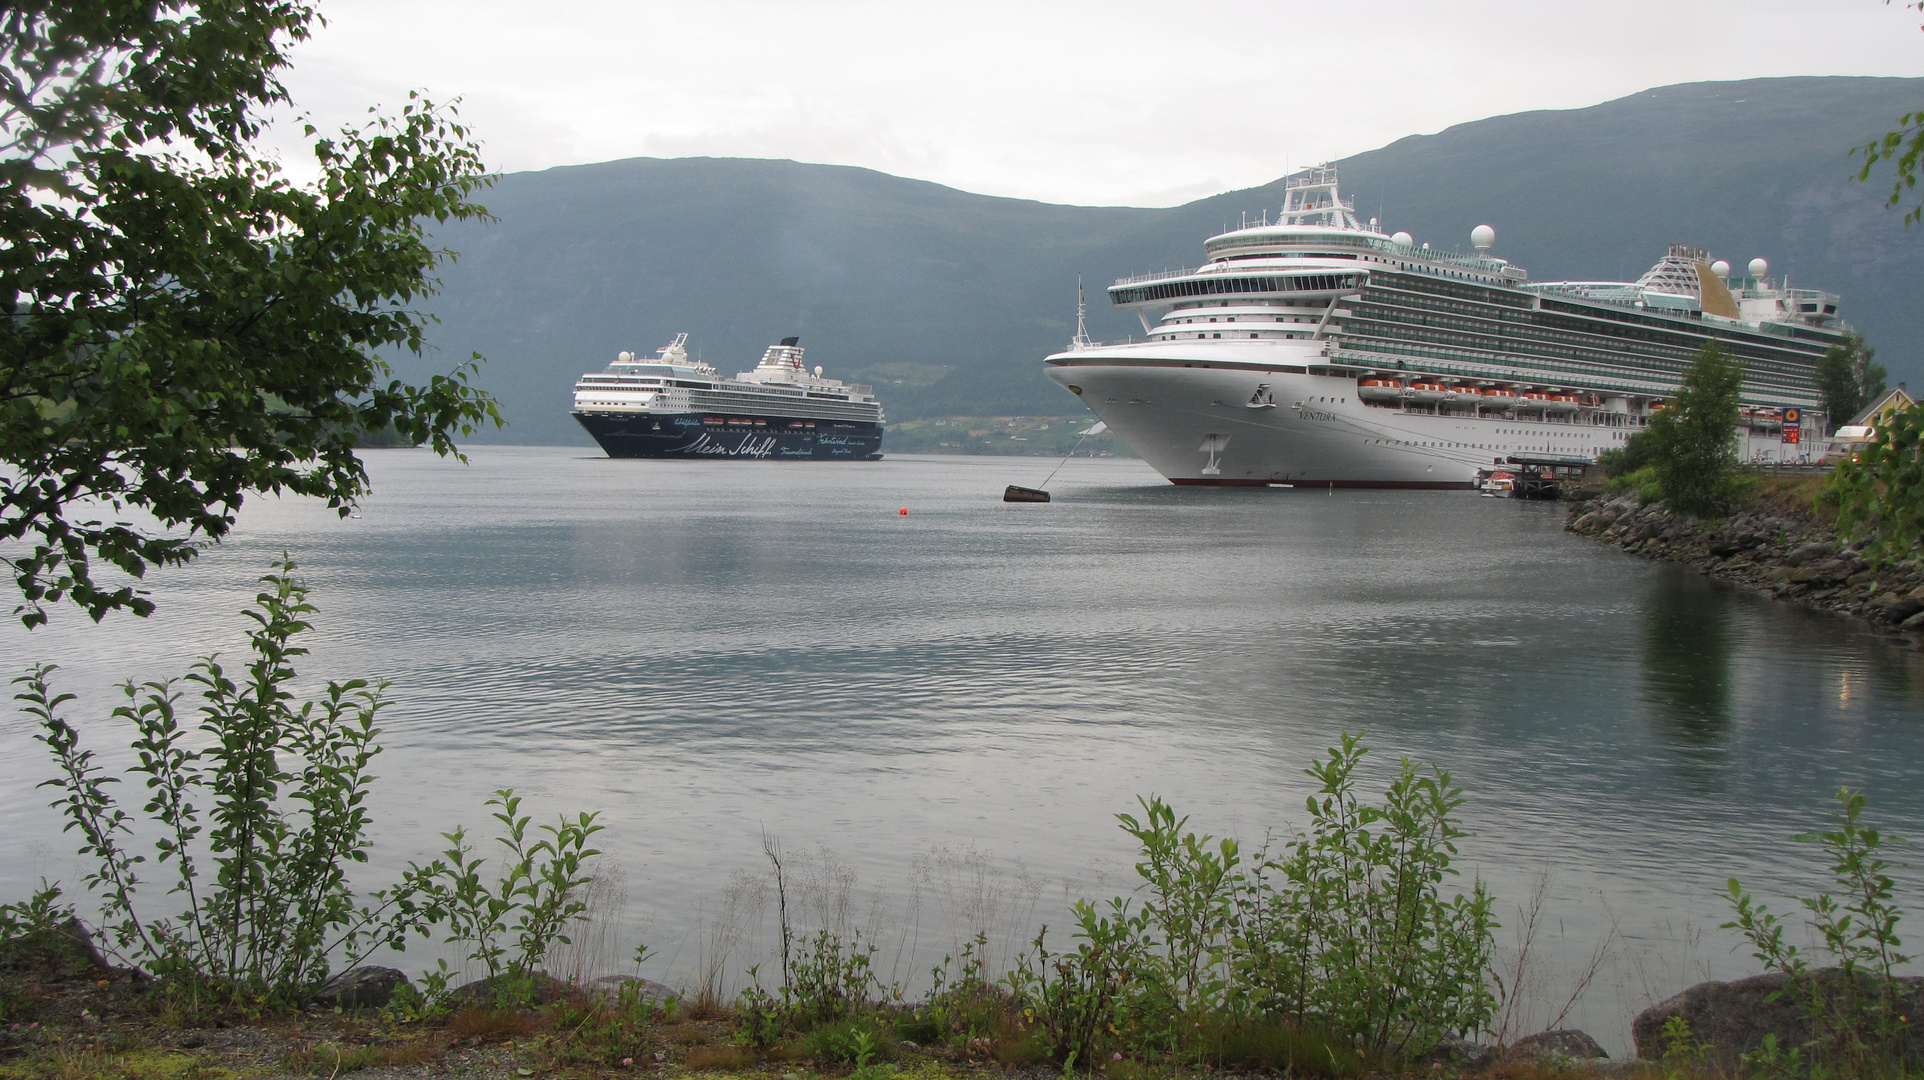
[1730, 1019]
[1895, 609]
[366, 987]
[1804, 553]
[1827, 572]
[1558, 1047]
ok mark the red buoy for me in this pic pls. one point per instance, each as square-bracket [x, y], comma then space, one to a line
[905, 511]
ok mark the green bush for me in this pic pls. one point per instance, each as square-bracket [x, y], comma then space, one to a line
[852, 1042]
[254, 830]
[532, 901]
[1346, 929]
[1643, 481]
[1857, 1010]
[1880, 493]
[1632, 456]
[1350, 929]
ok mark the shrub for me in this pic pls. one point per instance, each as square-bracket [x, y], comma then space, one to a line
[1346, 929]
[1357, 935]
[1633, 455]
[1880, 493]
[1858, 1011]
[257, 829]
[534, 898]
[1077, 1000]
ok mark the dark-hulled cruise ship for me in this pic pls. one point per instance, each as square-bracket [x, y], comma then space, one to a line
[674, 407]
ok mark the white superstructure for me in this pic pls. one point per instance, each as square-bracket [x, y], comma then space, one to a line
[1321, 351]
[673, 384]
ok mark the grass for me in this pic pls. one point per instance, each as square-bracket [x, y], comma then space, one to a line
[330, 1059]
[488, 1025]
[97, 1063]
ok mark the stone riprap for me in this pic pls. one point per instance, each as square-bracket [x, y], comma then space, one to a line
[1788, 555]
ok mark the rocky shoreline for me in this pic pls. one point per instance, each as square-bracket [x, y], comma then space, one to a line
[1789, 554]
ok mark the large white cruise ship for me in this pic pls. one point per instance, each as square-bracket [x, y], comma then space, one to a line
[1320, 351]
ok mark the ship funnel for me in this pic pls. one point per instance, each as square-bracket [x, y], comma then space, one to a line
[791, 341]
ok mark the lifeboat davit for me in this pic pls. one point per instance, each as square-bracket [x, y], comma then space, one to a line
[1379, 390]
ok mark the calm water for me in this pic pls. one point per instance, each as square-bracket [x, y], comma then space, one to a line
[953, 703]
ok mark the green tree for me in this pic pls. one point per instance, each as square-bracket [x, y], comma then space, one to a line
[1848, 378]
[1903, 148]
[182, 326]
[1880, 490]
[1692, 441]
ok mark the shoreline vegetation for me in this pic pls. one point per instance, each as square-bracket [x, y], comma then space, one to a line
[1850, 542]
[1782, 540]
[218, 936]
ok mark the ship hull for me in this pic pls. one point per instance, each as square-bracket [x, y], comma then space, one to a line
[696, 438]
[1254, 416]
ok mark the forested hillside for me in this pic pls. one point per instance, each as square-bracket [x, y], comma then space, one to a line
[947, 301]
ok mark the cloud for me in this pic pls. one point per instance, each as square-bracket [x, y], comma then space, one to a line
[1118, 101]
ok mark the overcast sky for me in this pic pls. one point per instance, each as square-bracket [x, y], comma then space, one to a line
[1137, 102]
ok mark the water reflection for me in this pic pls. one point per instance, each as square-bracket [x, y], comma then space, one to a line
[1688, 661]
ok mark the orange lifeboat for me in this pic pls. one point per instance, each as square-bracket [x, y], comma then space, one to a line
[1385, 390]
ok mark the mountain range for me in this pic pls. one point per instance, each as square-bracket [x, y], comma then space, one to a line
[947, 301]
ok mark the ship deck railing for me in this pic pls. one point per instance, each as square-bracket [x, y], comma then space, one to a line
[1383, 247]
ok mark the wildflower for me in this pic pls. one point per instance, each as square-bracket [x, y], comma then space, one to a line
[1117, 1056]
[627, 1062]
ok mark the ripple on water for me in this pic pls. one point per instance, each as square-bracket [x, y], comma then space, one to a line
[708, 650]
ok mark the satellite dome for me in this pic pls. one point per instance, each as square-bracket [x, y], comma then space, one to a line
[624, 357]
[1404, 239]
[1483, 237]
[1758, 268]
[1720, 268]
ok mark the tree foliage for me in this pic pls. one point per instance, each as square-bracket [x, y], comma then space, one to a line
[1880, 489]
[1904, 149]
[1691, 443]
[1848, 378]
[182, 325]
